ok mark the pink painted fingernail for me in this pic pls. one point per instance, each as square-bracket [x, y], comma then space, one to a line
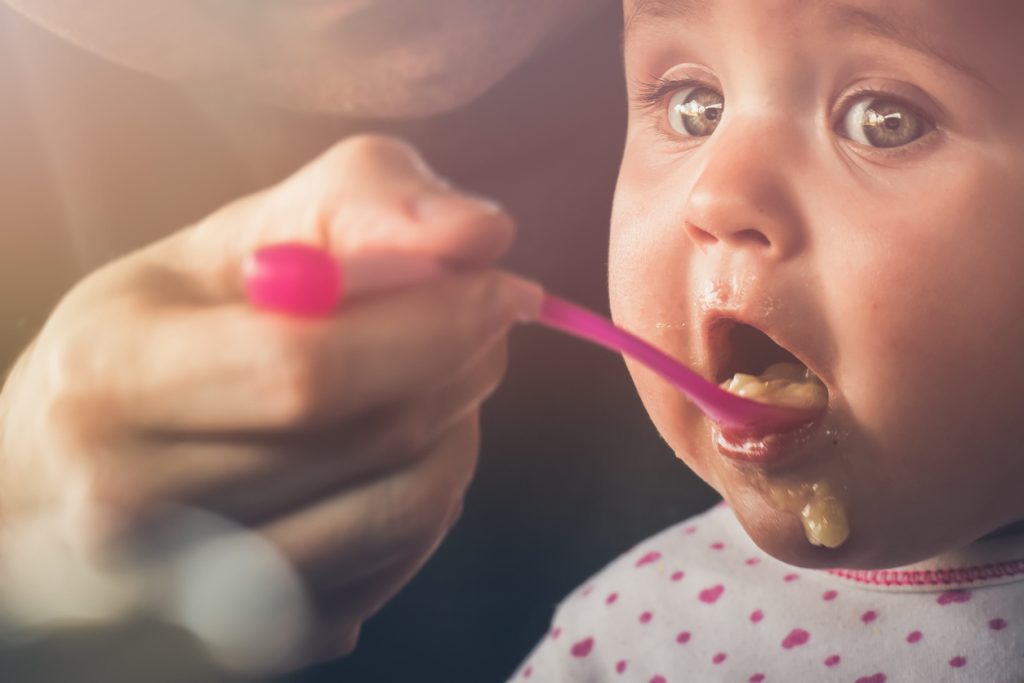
[293, 278]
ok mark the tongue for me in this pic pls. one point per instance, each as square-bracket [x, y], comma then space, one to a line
[784, 384]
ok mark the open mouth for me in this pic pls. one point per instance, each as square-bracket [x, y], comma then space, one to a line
[750, 364]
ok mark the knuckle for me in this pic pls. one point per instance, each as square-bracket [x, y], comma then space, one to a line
[74, 426]
[290, 386]
[68, 363]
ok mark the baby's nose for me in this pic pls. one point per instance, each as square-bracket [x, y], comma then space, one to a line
[743, 197]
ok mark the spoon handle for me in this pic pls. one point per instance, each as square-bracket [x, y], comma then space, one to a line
[301, 280]
[724, 408]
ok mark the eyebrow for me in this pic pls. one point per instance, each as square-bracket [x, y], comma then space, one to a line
[844, 15]
[647, 10]
[859, 19]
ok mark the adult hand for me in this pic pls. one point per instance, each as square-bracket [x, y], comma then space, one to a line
[348, 441]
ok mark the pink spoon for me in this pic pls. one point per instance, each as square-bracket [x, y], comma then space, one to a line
[728, 410]
[300, 280]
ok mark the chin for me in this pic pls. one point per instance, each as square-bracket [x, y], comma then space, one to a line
[781, 535]
[415, 100]
[871, 544]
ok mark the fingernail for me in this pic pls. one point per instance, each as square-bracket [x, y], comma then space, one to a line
[435, 207]
[529, 296]
[293, 278]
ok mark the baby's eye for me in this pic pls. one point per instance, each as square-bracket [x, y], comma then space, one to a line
[695, 111]
[882, 122]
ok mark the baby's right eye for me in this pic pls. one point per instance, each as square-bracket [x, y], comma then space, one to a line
[695, 111]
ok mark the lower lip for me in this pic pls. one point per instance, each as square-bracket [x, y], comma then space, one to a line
[763, 451]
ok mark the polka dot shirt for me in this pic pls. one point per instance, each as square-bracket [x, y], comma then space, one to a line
[700, 602]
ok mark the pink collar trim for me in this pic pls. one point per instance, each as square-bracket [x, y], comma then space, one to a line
[997, 571]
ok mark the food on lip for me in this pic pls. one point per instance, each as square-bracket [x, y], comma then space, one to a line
[814, 502]
[784, 384]
[820, 510]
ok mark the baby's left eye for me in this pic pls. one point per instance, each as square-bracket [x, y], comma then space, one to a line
[882, 122]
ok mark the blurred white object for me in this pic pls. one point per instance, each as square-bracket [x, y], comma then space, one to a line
[224, 584]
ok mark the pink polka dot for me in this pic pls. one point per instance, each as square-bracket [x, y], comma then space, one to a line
[958, 662]
[612, 597]
[832, 660]
[795, 638]
[620, 666]
[875, 678]
[756, 678]
[586, 591]
[997, 624]
[756, 616]
[555, 632]
[751, 561]
[527, 672]
[646, 617]
[914, 636]
[788, 578]
[710, 595]
[583, 647]
[950, 597]
[677, 575]
[718, 658]
[869, 616]
[690, 530]
[683, 637]
[649, 558]
[717, 545]
[828, 596]
[658, 679]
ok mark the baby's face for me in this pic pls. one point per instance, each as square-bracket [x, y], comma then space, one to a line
[843, 183]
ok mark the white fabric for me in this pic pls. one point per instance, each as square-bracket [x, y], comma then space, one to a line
[700, 602]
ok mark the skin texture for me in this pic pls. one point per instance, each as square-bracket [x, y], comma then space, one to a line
[892, 273]
[392, 58]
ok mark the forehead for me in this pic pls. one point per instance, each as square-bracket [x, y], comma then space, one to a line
[982, 36]
[999, 16]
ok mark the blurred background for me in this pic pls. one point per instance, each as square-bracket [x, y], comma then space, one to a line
[571, 472]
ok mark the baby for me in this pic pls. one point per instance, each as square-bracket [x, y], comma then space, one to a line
[837, 186]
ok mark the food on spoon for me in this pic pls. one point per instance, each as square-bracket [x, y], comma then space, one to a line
[783, 384]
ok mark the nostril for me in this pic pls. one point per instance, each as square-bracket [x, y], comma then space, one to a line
[699, 236]
[752, 237]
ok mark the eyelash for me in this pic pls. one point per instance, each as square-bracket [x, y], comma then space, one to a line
[650, 99]
[651, 96]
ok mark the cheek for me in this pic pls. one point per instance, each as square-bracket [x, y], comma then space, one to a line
[650, 272]
[648, 252]
[931, 299]
[925, 306]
